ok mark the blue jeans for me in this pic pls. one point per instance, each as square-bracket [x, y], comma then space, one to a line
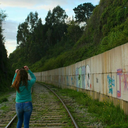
[23, 111]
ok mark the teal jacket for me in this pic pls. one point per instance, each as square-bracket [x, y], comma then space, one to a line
[25, 92]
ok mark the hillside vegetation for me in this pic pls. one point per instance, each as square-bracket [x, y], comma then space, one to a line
[58, 43]
[5, 70]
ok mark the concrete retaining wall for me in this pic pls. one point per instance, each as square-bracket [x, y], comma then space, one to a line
[104, 76]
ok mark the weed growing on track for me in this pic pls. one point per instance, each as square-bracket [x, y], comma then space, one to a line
[3, 100]
[104, 112]
[3, 97]
[5, 108]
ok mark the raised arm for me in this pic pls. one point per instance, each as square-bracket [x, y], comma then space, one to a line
[33, 78]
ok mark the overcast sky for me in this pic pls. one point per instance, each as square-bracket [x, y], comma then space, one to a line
[18, 10]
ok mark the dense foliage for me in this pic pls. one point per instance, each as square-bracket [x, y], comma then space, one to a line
[83, 12]
[5, 71]
[37, 41]
[61, 42]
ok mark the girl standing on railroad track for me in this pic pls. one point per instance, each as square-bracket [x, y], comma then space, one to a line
[23, 95]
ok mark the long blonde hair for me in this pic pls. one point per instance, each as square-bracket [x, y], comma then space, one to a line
[21, 78]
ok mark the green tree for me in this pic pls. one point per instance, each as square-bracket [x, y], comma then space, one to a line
[37, 42]
[58, 15]
[55, 25]
[3, 52]
[30, 37]
[26, 28]
[32, 20]
[48, 19]
[83, 12]
[5, 70]
[22, 34]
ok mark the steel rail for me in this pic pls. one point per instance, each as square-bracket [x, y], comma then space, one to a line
[74, 123]
[9, 124]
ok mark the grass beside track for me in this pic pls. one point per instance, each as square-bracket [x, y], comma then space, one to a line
[105, 112]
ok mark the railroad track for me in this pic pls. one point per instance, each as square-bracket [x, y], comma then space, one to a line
[7, 111]
[48, 111]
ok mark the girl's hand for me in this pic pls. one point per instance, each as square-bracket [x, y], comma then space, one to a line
[26, 68]
[16, 70]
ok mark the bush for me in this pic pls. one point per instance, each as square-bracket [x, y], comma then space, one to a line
[3, 100]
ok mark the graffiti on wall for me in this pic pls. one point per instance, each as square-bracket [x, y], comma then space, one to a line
[83, 77]
[72, 80]
[123, 81]
[111, 83]
[67, 80]
[119, 73]
[96, 80]
[77, 76]
[88, 83]
[80, 77]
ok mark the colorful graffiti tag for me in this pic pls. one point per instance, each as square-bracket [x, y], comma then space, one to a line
[111, 83]
[72, 80]
[119, 73]
[123, 80]
[88, 77]
[77, 76]
[67, 80]
[83, 77]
